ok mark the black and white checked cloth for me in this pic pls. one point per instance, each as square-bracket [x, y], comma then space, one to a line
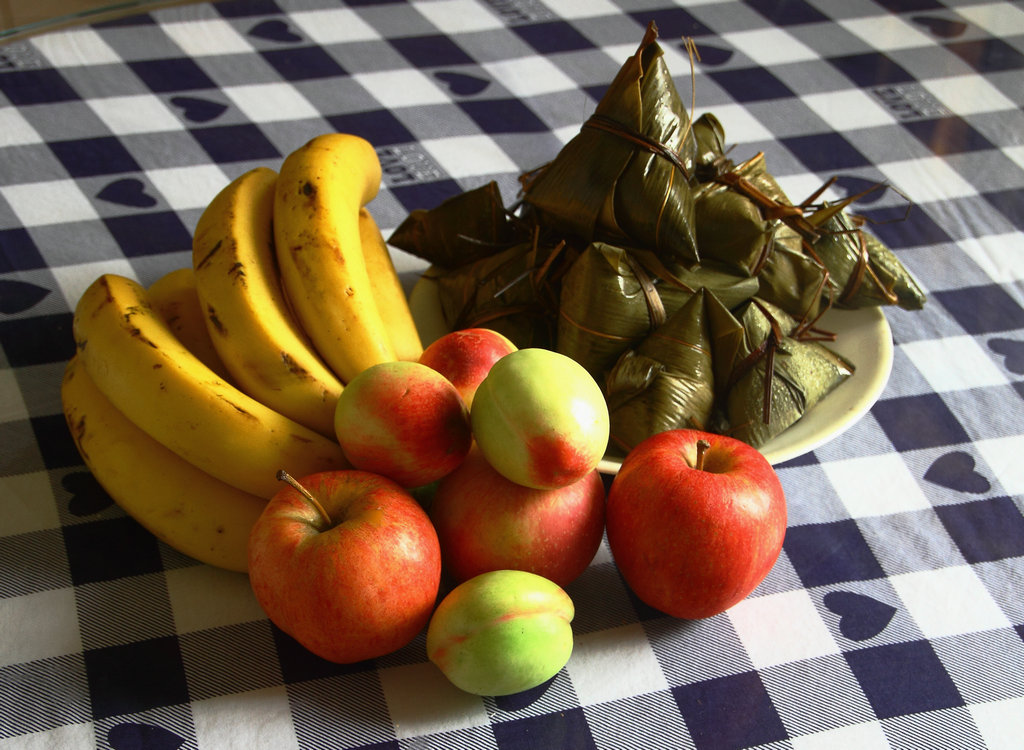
[895, 615]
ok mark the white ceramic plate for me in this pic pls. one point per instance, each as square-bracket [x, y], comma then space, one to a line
[862, 336]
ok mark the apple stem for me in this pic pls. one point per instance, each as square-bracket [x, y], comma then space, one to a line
[284, 476]
[702, 447]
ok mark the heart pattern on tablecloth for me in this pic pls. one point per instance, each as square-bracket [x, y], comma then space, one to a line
[128, 191]
[87, 496]
[711, 55]
[1013, 351]
[274, 31]
[860, 616]
[944, 28]
[135, 736]
[18, 296]
[195, 109]
[462, 84]
[956, 471]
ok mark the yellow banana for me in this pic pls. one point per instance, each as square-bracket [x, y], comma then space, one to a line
[135, 360]
[392, 303]
[320, 189]
[181, 505]
[253, 329]
[174, 297]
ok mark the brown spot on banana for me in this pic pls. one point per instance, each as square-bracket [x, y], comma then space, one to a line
[218, 326]
[294, 367]
[209, 255]
[244, 412]
[237, 273]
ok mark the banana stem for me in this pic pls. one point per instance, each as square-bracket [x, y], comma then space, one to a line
[284, 476]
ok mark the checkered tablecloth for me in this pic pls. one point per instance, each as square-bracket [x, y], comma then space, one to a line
[895, 615]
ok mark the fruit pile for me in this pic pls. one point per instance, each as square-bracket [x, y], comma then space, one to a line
[272, 410]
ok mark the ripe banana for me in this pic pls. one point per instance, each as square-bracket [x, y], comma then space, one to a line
[135, 360]
[181, 505]
[387, 290]
[320, 189]
[248, 317]
[174, 297]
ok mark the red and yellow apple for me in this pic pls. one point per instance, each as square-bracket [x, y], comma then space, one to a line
[346, 563]
[540, 419]
[486, 522]
[466, 356]
[501, 633]
[695, 521]
[403, 420]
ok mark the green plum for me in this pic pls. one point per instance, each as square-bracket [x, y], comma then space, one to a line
[501, 632]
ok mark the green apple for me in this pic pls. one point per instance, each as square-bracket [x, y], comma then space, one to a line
[501, 632]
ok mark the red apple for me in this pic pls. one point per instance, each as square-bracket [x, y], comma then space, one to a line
[695, 521]
[349, 565]
[465, 357]
[403, 420]
[486, 522]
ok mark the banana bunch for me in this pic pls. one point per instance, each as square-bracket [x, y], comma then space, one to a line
[186, 398]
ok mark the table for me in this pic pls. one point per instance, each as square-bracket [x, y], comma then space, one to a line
[894, 616]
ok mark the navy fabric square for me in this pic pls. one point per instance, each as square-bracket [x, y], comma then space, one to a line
[42, 86]
[728, 713]
[871, 69]
[903, 678]
[430, 51]
[149, 234]
[303, 63]
[826, 152]
[1010, 203]
[18, 252]
[985, 530]
[553, 37]
[108, 549]
[988, 55]
[752, 85]
[299, 664]
[18, 296]
[136, 677]
[230, 143]
[127, 20]
[94, 156]
[425, 194]
[55, 444]
[913, 422]
[503, 116]
[948, 135]
[562, 729]
[829, 553]
[982, 309]
[806, 459]
[897, 227]
[910, 6]
[788, 12]
[172, 74]
[38, 340]
[246, 8]
[672, 23]
[379, 126]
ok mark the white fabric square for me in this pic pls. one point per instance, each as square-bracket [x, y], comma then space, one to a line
[583, 8]
[1003, 455]
[928, 180]
[422, 701]
[948, 601]
[189, 187]
[1016, 154]
[256, 720]
[38, 626]
[208, 36]
[599, 655]
[868, 734]
[530, 76]
[740, 126]
[953, 364]
[780, 628]
[61, 738]
[74, 280]
[848, 110]
[888, 32]
[80, 46]
[1001, 256]
[334, 26]
[968, 95]
[458, 16]
[15, 130]
[271, 102]
[469, 156]
[1000, 722]
[12, 408]
[205, 597]
[770, 46]
[401, 88]
[54, 202]
[875, 485]
[27, 498]
[125, 115]
[999, 19]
